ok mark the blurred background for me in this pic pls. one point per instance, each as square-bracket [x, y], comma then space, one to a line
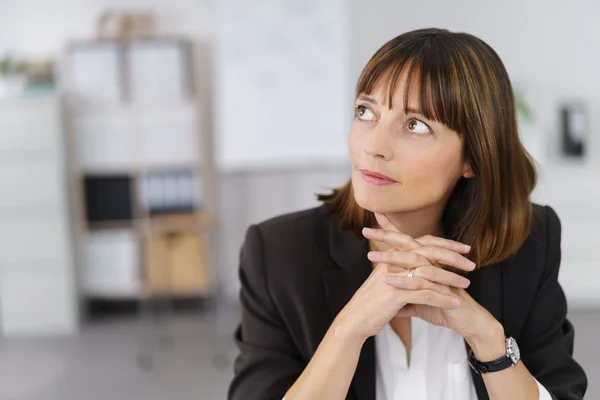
[139, 139]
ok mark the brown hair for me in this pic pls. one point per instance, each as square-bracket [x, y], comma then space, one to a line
[463, 84]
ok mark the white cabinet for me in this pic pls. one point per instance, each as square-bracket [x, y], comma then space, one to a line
[28, 127]
[110, 266]
[31, 184]
[37, 283]
[573, 191]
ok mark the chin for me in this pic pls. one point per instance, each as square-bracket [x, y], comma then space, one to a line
[376, 202]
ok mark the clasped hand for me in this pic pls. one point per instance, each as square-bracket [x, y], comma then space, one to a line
[432, 293]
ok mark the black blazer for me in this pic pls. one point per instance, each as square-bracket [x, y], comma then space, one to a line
[299, 270]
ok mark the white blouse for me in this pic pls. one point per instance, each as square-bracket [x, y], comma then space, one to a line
[438, 370]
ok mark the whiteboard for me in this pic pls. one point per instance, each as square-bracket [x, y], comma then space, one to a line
[282, 94]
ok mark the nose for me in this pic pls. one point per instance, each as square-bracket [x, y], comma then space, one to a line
[378, 144]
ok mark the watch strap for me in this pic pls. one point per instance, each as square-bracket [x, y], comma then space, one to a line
[491, 366]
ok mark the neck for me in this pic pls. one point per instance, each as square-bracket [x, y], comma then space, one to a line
[416, 224]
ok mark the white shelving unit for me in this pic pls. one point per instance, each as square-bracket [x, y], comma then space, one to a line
[37, 281]
[134, 117]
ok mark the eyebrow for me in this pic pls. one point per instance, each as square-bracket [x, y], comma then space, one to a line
[371, 100]
[367, 98]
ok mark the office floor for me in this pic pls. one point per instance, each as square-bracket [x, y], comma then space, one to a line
[193, 361]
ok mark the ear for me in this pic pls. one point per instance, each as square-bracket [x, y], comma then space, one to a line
[467, 171]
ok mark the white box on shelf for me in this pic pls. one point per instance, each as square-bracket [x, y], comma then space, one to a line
[105, 138]
[170, 189]
[95, 72]
[168, 136]
[158, 70]
[111, 263]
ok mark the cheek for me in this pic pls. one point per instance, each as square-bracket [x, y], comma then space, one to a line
[355, 145]
[434, 171]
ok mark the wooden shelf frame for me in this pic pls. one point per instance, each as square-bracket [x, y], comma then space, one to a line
[145, 226]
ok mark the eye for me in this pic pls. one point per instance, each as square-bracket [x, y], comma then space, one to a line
[419, 127]
[364, 113]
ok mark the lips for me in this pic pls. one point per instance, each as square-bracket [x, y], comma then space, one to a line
[376, 178]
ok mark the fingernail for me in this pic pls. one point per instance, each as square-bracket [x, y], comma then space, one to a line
[470, 264]
[456, 302]
[467, 247]
[367, 230]
[374, 255]
[465, 283]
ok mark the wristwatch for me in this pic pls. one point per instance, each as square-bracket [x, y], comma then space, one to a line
[512, 357]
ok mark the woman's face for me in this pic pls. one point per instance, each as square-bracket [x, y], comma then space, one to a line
[402, 162]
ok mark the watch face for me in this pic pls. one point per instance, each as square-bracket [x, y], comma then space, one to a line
[513, 350]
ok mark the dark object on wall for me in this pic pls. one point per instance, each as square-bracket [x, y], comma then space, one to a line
[108, 198]
[575, 129]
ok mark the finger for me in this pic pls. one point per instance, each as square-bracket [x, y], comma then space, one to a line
[394, 238]
[395, 268]
[453, 245]
[404, 259]
[408, 310]
[431, 274]
[415, 283]
[441, 276]
[445, 256]
[385, 223]
[429, 298]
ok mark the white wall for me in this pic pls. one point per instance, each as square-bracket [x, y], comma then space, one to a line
[550, 48]
[41, 27]
[574, 193]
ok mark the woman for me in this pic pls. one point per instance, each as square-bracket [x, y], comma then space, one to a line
[429, 261]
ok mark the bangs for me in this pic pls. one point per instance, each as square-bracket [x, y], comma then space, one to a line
[431, 67]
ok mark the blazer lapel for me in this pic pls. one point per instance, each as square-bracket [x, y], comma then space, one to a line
[486, 289]
[341, 282]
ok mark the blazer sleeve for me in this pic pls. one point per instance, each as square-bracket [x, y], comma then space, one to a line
[547, 338]
[268, 363]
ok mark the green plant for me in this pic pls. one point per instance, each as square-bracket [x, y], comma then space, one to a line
[5, 65]
[523, 108]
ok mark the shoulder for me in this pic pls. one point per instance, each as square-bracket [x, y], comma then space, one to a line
[545, 222]
[299, 221]
[535, 265]
[290, 240]
[544, 239]
[285, 257]
[296, 230]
